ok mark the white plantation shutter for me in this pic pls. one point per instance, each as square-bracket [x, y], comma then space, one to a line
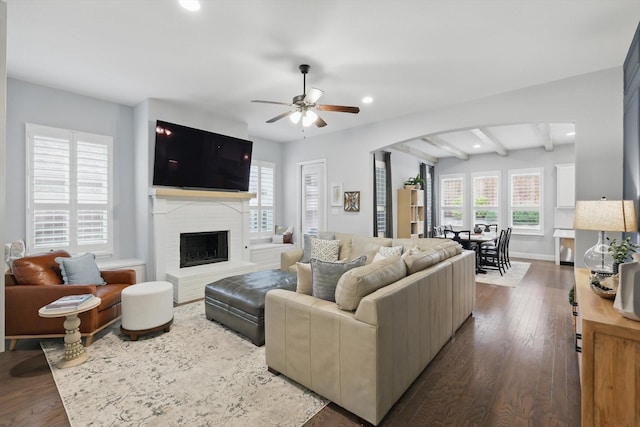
[261, 182]
[451, 200]
[525, 201]
[486, 198]
[311, 203]
[381, 197]
[69, 181]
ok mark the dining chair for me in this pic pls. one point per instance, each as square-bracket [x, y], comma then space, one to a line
[506, 247]
[493, 257]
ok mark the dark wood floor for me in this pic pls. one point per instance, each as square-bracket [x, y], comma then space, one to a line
[511, 364]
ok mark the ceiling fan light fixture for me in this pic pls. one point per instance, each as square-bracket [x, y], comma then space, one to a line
[308, 118]
[295, 117]
[190, 5]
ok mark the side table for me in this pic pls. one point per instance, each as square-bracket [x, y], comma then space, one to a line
[74, 352]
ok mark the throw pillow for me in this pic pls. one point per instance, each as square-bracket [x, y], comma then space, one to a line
[418, 260]
[325, 276]
[325, 250]
[305, 284]
[306, 245]
[386, 252]
[359, 282]
[282, 234]
[80, 270]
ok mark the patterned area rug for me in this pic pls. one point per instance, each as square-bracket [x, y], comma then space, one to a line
[198, 374]
[511, 278]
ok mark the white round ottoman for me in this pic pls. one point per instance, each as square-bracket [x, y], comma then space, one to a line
[146, 307]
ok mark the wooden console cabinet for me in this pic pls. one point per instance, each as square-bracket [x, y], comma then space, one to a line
[610, 365]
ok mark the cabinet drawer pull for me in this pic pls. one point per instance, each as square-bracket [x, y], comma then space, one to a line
[578, 348]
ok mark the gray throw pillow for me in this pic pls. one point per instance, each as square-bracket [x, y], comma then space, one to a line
[325, 276]
[80, 270]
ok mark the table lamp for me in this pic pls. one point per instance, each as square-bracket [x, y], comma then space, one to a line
[603, 215]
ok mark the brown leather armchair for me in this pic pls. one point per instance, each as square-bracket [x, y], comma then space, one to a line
[36, 281]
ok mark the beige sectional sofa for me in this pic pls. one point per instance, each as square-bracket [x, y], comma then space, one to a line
[364, 360]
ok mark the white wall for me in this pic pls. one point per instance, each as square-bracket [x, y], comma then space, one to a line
[403, 167]
[3, 140]
[30, 103]
[592, 101]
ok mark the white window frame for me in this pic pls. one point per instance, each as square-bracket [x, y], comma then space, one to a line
[442, 207]
[256, 203]
[534, 231]
[73, 137]
[495, 208]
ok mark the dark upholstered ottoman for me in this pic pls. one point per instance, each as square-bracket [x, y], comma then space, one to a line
[238, 301]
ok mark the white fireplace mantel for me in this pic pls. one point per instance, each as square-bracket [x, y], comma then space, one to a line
[176, 211]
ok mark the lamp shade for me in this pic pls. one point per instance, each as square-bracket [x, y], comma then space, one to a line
[605, 215]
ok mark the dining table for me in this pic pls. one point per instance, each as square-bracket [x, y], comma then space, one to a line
[478, 238]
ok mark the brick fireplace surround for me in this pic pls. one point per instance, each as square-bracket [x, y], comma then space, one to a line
[178, 211]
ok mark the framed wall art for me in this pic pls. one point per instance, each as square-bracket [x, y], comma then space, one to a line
[336, 194]
[352, 201]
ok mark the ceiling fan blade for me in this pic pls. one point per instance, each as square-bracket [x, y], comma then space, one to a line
[280, 116]
[320, 123]
[338, 108]
[270, 102]
[313, 95]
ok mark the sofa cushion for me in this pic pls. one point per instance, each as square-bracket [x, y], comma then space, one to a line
[445, 247]
[360, 282]
[387, 251]
[325, 250]
[80, 270]
[417, 260]
[345, 245]
[39, 269]
[325, 276]
[368, 246]
[305, 284]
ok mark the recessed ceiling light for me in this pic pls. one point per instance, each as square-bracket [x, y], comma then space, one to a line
[367, 100]
[190, 5]
[476, 145]
[571, 133]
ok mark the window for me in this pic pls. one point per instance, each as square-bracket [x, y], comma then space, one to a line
[69, 190]
[486, 198]
[381, 198]
[525, 201]
[261, 182]
[451, 200]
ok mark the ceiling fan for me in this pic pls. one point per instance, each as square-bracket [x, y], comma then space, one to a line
[303, 104]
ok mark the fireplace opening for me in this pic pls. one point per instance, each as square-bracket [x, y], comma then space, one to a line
[203, 248]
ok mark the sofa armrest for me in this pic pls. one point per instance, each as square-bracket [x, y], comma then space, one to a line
[23, 302]
[123, 277]
[289, 258]
[323, 348]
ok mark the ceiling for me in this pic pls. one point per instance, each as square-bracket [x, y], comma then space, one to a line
[410, 56]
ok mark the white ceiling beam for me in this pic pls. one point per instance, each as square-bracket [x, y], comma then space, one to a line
[441, 143]
[486, 136]
[415, 152]
[543, 132]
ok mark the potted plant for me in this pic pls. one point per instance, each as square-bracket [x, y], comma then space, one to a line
[621, 251]
[414, 182]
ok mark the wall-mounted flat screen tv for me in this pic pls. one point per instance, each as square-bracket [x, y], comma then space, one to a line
[196, 159]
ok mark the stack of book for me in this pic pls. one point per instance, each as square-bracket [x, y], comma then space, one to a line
[69, 302]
